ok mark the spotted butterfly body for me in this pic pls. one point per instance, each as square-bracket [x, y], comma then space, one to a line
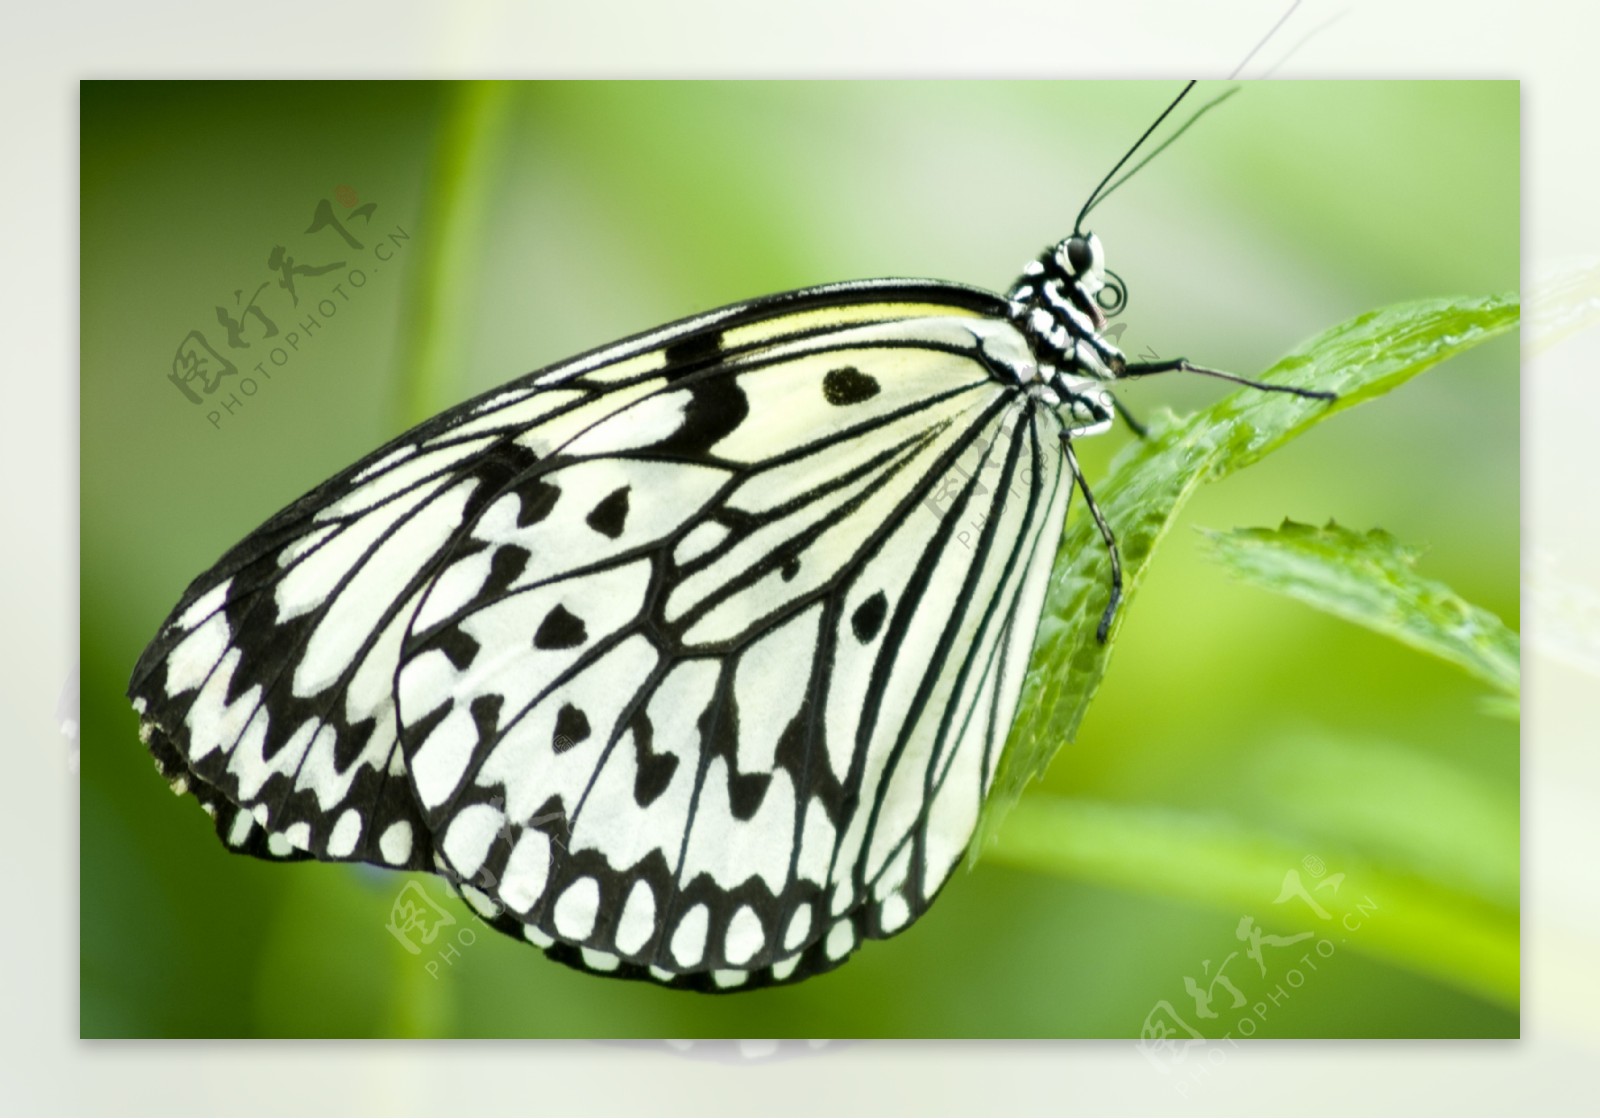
[689, 659]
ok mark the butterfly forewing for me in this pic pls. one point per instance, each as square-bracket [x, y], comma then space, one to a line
[690, 658]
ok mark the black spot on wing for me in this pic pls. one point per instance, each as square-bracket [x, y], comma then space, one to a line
[572, 727]
[868, 617]
[653, 772]
[610, 516]
[507, 563]
[485, 711]
[790, 568]
[551, 818]
[848, 385]
[746, 791]
[693, 353]
[456, 644]
[538, 497]
[714, 411]
[561, 629]
[347, 747]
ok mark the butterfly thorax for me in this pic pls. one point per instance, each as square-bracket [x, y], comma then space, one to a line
[1059, 305]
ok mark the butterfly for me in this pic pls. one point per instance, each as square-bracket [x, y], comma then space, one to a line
[666, 656]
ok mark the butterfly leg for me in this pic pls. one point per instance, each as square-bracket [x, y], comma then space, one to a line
[1128, 418]
[1104, 628]
[1184, 365]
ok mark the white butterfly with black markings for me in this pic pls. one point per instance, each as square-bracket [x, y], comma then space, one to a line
[664, 656]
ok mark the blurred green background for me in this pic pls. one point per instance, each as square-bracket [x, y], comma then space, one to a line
[544, 219]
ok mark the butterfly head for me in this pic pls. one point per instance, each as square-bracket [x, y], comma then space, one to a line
[1082, 258]
[1062, 302]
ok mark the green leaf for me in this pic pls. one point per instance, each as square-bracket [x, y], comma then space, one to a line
[1149, 482]
[1371, 579]
[1425, 924]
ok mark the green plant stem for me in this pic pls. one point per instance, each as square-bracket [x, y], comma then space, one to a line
[1421, 926]
[450, 248]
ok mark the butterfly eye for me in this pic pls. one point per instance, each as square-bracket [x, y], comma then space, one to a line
[1112, 298]
[1080, 258]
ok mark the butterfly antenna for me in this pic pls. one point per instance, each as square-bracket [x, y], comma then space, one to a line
[1290, 53]
[1102, 192]
[1265, 39]
[1165, 144]
[1094, 195]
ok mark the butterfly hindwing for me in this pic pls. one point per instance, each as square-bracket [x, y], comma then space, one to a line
[689, 659]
